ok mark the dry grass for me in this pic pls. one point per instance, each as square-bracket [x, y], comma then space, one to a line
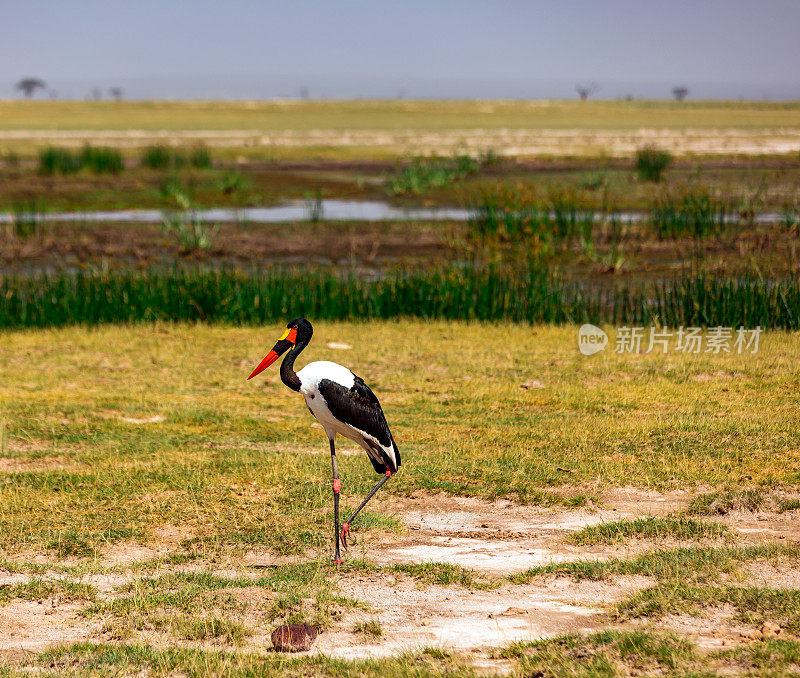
[393, 115]
[228, 460]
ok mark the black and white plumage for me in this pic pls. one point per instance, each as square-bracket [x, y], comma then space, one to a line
[344, 405]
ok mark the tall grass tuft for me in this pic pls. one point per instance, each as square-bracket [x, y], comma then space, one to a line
[157, 157]
[54, 160]
[518, 216]
[28, 218]
[165, 157]
[488, 294]
[651, 163]
[790, 216]
[192, 233]
[233, 182]
[696, 213]
[11, 160]
[315, 208]
[200, 157]
[102, 160]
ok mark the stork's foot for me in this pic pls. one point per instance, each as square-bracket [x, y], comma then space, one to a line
[338, 561]
[345, 535]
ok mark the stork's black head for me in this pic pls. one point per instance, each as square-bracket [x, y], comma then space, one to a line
[298, 333]
[303, 328]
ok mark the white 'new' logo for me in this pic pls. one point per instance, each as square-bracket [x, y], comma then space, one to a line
[591, 339]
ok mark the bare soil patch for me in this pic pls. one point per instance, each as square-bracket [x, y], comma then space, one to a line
[33, 626]
[502, 537]
[413, 616]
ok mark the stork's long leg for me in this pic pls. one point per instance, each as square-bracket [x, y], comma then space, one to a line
[346, 526]
[337, 486]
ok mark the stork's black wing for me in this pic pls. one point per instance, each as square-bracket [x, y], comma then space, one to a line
[359, 407]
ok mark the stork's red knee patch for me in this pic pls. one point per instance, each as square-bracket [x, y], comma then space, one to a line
[337, 486]
[388, 473]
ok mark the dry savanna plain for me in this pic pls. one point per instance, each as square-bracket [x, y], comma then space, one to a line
[626, 513]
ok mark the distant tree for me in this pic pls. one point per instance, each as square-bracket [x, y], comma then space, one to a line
[585, 91]
[116, 93]
[303, 93]
[680, 92]
[28, 86]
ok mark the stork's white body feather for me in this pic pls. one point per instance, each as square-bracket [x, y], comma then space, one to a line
[310, 377]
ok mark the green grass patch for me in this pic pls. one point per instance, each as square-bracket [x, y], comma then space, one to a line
[788, 505]
[202, 605]
[754, 605]
[39, 588]
[88, 659]
[607, 653]
[696, 563]
[369, 627]
[54, 160]
[423, 174]
[650, 527]
[211, 628]
[720, 503]
[100, 160]
[444, 574]
[768, 658]
[162, 157]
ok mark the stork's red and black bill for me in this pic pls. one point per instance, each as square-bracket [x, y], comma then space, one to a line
[284, 343]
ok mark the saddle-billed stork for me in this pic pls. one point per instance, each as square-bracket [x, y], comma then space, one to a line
[343, 404]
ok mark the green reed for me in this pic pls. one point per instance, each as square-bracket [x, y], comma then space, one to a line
[28, 218]
[157, 157]
[517, 216]
[166, 157]
[651, 163]
[696, 214]
[100, 160]
[527, 294]
[426, 173]
[53, 160]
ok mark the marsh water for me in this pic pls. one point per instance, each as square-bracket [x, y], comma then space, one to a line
[328, 210]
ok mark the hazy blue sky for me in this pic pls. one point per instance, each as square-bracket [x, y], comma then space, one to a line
[727, 48]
